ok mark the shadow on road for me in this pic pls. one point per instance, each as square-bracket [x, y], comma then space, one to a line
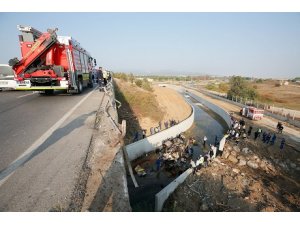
[52, 139]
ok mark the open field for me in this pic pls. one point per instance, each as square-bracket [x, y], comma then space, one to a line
[287, 96]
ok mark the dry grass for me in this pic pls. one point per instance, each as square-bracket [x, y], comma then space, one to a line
[142, 103]
[283, 96]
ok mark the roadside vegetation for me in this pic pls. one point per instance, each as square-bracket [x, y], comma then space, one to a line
[139, 82]
[241, 88]
[221, 87]
[138, 101]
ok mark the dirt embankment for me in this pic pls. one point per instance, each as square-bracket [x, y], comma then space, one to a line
[248, 177]
[143, 109]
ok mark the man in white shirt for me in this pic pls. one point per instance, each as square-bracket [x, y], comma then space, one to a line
[204, 141]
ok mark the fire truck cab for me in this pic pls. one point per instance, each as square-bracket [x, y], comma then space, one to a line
[50, 62]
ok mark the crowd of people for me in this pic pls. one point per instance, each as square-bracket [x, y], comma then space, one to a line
[154, 130]
[237, 132]
[215, 149]
[102, 77]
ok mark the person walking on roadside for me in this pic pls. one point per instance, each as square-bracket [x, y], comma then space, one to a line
[144, 133]
[221, 145]
[105, 77]
[204, 141]
[193, 164]
[199, 162]
[214, 151]
[268, 138]
[206, 159]
[255, 135]
[152, 131]
[259, 132]
[166, 124]
[264, 137]
[232, 133]
[216, 140]
[136, 137]
[273, 139]
[244, 128]
[158, 163]
[250, 130]
[282, 144]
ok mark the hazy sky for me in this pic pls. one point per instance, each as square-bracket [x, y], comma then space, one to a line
[249, 44]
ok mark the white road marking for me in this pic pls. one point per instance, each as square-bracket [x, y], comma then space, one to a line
[26, 95]
[8, 171]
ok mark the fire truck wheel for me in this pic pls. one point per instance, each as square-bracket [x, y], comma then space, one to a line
[49, 92]
[90, 84]
[79, 85]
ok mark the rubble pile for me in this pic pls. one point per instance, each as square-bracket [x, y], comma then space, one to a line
[173, 156]
[246, 157]
[241, 180]
[176, 154]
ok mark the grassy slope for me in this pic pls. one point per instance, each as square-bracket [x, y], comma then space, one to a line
[136, 103]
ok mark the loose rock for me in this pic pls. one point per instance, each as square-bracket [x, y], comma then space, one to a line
[236, 170]
[252, 164]
[236, 148]
[242, 162]
[233, 153]
[245, 150]
[232, 159]
[226, 154]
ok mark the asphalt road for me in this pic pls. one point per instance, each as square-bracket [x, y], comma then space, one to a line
[43, 145]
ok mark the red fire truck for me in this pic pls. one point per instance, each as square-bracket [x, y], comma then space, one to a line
[50, 62]
[252, 113]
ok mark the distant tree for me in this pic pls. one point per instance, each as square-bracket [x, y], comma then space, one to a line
[210, 86]
[146, 85]
[295, 79]
[240, 88]
[131, 78]
[223, 87]
[139, 83]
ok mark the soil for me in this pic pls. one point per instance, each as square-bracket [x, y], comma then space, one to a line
[172, 104]
[169, 102]
[227, 186]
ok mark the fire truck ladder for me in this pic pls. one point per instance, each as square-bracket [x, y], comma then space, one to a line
[41, 44]
[29, 29]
